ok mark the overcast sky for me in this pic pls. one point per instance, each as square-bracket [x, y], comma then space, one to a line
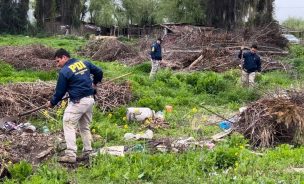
[289, 8]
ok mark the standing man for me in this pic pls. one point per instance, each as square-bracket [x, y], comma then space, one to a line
[156, 57]
[250, 66]
[75, 79]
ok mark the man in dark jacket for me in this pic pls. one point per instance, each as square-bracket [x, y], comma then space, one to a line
[75, 79]
[156, 57]
[251, 65]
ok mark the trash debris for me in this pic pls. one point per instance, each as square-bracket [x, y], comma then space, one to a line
[45, 130]
[44, 153]
[113, 150]
[155, 123]
[147, 135]
[179, 145]
[169, 108]
[225, 125]
[217, 137]
[27, 127]
[160, 115]
[139, 113]
[137, 148]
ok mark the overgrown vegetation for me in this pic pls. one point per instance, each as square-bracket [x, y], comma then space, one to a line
[231, 161]
[295, 24]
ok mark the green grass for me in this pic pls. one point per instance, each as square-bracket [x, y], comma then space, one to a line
[230, 162]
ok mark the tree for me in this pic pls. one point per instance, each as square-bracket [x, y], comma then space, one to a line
[141, 12]
[70, 11]
[102, 12]
[233, 13]
[179, 11]
[13, 16]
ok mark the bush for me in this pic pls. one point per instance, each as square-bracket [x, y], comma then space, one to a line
[211, 83]
[21, 170]
[144, 67]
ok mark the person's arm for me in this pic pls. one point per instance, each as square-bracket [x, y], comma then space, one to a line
[258, 62]
[241, 53]
[96, 71]
[61, 89]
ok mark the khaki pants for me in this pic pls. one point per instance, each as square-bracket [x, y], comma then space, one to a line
[155, 66]
[78, 114]
[248, 79]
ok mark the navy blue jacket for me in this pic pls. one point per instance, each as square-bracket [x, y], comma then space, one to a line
[75, 78]
[156, 53]
[252, 62]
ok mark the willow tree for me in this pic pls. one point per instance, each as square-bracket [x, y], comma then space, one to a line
[233, 13]
[180, 11]
[141, 12]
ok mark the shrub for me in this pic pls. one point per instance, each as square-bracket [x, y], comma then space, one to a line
[211, 83]
[21, 170]
[144, 67]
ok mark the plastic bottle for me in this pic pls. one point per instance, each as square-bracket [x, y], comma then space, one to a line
[45, 130]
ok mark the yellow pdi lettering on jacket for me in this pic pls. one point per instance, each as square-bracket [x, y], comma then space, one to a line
[77, 66]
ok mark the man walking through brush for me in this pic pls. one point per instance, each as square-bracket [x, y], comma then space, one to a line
[250, 66]
[75, 79]
[156, 57]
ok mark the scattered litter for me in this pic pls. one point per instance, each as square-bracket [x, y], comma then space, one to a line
[113, 150]
[160, 115]
[225, 125]
[44, 153]
[147, 135]
[22, 127]
[139, 113]
[155, 123]
[137, 148]
[217, 137]
[169, 108]
[179, 145]
[45, 130]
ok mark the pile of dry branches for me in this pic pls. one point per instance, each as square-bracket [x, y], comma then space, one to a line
[205, 48]
[36, 57]
[20, 97]
[274, 119]
[110, 49]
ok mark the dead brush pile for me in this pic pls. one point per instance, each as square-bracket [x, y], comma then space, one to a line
[111, 49]
[274, 119]
[206, 48]
[21, 97]
[35, 57]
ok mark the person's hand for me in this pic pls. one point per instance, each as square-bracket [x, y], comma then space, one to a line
[49, 104]
[94, 89]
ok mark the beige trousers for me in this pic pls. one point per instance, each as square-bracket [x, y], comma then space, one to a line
[78, 114]
[155, 66]
[248, 79]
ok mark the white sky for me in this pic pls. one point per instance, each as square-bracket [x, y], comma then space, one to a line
[288, 8]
